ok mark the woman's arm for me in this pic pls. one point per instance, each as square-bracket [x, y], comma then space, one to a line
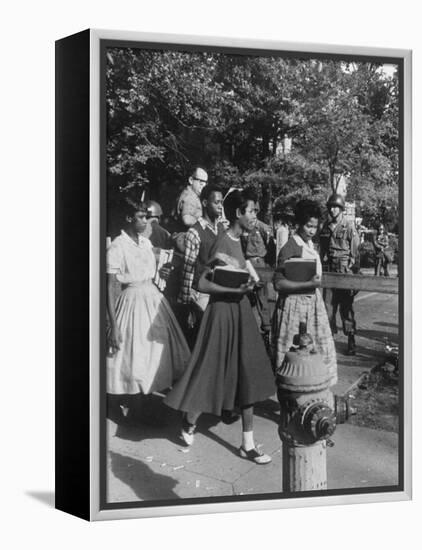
[209, 287]
[115, 337]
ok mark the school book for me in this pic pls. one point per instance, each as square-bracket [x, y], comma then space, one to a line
[231, 277]
[299, 269]
[166, 257]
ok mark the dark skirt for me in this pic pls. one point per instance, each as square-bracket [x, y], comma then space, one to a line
[229, 366]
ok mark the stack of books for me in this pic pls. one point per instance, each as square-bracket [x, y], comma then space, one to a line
[229, 276]
[299, 269]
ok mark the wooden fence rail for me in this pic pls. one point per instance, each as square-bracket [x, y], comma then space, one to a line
[368, 283]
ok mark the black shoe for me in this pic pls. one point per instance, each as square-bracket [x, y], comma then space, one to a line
[229, 417]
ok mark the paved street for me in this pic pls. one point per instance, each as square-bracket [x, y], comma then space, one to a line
[147, 461]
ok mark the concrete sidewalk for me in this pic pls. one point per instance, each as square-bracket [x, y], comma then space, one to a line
[148, 461]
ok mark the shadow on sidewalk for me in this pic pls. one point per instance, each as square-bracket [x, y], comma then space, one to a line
[364, 354]
[384, 324]
[149, 418]
[379, 335]
[144, 482]
[269, 409]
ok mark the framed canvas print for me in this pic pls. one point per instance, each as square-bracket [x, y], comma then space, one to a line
[233, 274]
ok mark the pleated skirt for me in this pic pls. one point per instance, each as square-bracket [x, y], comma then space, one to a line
[154, 352]
[229, 366]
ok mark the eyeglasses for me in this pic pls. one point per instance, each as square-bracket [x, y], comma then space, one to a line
[199, 179]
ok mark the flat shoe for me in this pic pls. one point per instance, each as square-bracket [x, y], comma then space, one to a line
[188, 437]
[255, 455]
[188, 432]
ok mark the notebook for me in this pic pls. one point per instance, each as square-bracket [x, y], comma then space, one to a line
[299, 269]
[229, 276]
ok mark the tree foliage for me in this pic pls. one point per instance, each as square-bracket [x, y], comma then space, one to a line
[168, 110]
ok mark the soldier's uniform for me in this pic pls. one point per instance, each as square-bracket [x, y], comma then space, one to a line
[339, 245]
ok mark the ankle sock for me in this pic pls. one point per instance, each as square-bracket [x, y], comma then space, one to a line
[247, 441]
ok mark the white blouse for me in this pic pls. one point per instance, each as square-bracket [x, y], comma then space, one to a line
[131, 262]
[309, 252]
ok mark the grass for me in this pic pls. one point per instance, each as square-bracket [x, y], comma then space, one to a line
[377, 400]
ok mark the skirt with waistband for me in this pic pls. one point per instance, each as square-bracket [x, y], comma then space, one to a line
[229, 366]
[154, 352]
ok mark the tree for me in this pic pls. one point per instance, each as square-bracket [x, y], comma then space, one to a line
[170, 109]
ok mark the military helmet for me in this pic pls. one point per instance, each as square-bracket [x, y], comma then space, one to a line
[154, 210]
[336, 200]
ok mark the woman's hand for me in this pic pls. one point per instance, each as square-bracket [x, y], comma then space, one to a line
[165, 271]
[114, 338]
[246, 288]
[316, 281]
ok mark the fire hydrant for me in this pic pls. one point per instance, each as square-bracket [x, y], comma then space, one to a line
[309, 413]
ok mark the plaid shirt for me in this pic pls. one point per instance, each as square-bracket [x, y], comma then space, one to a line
[192, 246]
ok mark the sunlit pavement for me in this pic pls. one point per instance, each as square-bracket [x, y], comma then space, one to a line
[147, 460]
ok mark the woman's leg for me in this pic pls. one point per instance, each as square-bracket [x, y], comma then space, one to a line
[192, 417]
[248, 449]
[247, 428]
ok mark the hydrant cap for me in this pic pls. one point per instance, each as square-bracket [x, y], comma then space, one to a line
[303, 371]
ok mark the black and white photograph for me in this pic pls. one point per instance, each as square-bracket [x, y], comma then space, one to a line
[211, 299]
[252, 271]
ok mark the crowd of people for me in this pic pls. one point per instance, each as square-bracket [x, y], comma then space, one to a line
[210, 346]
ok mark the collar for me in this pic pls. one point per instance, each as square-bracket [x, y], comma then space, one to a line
[205, 223]
[142, 241]
[302, 243]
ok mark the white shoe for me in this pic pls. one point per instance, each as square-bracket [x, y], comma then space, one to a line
[188, 436]
[255, 455]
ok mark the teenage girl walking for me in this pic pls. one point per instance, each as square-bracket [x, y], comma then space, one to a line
[302, 301]
[229, 367]
[147, 349]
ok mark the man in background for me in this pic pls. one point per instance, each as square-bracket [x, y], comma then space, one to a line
[199, 240]
[189, 207]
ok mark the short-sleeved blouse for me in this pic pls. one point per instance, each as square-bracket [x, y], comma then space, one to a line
[297, 248]
[231, 246]
[131, 262]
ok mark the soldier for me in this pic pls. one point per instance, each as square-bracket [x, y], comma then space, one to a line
[159, 237]
[339, 242]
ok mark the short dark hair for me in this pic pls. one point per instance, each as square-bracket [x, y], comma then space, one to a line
[305, 210]
[208, 190]
[237, 199]
[130, 207]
